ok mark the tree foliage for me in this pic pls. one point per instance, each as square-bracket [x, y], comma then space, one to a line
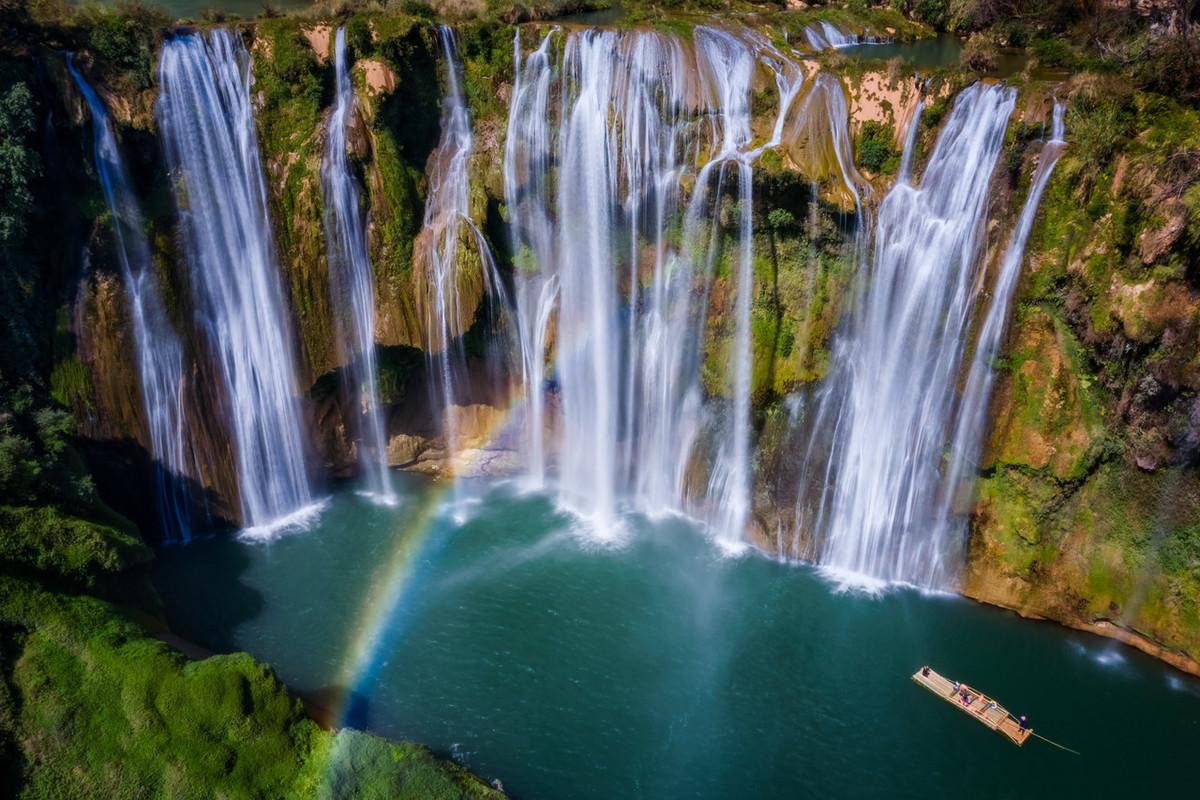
[19, 164]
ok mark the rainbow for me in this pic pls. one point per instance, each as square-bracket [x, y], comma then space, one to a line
[374, 629]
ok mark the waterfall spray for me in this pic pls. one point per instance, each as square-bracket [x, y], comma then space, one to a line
[889, 406]
[616, 196]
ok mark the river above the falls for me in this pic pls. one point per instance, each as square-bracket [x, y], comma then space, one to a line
[500, 634]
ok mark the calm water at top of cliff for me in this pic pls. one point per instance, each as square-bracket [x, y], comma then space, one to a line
[661, 668]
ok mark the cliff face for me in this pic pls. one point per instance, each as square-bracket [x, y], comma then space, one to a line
[1088, 501]
[1085, 509]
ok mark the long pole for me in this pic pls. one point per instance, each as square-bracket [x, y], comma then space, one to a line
[1056, 744]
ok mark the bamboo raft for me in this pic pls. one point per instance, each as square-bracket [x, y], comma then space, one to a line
[979, 706]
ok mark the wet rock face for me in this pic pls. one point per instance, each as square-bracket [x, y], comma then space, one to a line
[1156, 243]
[1102, 352]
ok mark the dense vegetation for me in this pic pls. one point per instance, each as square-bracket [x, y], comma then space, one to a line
[1089, 498]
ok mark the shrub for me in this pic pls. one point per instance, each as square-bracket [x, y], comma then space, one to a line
[123, 37]
[780, 219]
[1101, 117]
[18, 162]
[979, 54]
[876, 149]
[418, 8]
[107, 712]
[48, 541]
[1052, 52]
[358, 37]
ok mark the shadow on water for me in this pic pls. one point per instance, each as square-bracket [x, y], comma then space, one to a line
[207, 606]
[126, 476]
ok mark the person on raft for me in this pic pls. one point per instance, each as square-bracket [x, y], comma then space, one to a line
[1023, 724]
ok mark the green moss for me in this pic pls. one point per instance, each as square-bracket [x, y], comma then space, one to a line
[106, 712]
[49, 541]
[1014, 506]
[292, 87]
[1120, 544]
[71, 383]
[396, 212]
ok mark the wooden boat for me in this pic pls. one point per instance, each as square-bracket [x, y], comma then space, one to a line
[976, 704]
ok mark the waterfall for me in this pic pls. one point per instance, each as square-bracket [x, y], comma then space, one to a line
[889, 406]
[208, 132]
[825, 36]
[615, 196]
[836, 38]
[588, 331]
[818, 136]
[971, 425]
[816, 39]
[904, 175]
[729, 65]
[351, 280]
[158, 351]
[527, 164]
[445, 244]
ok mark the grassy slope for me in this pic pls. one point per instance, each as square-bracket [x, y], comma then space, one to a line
[92, 706]
[101, 710]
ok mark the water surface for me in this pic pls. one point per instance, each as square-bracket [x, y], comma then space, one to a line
[943, 50]
[659, 668]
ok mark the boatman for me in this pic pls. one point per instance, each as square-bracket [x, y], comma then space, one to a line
[1024, 725]
[925, 671]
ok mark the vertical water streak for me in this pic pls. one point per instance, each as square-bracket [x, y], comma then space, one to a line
[900, 359]
[666, 317]
[158, 351]
[527, 164]
[971, 426]
[208, 132]
[446, 229]
[728, 64]
[587, 338]
[910, 144]
[616, 197]
[351, 278]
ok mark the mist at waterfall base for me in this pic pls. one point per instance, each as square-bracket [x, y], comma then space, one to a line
[663, 668]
